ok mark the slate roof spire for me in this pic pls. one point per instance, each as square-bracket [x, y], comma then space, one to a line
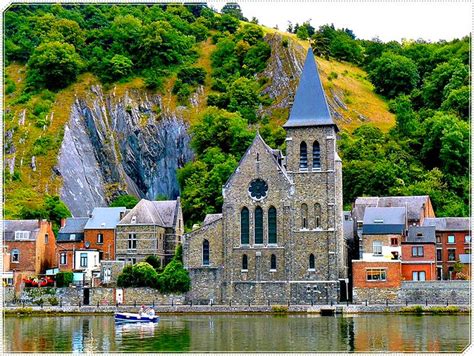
[310, 107]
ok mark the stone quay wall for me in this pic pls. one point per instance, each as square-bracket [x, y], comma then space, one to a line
[433, 292]
[149, 296]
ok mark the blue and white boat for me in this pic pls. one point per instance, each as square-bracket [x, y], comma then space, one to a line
[136, 318]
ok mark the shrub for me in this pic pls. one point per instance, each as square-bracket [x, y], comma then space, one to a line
[284, 42]
[153, 261]
[192, 75]
[53, 301]
[128, 201]
[141, 274]
[332, 75]
[174, 278]
[416, 309]
[41, 145]
[279, 309]
[64, 279]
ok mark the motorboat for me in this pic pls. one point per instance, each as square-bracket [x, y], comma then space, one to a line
[136, 318]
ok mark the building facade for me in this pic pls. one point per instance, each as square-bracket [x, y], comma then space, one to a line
[99, 232]
[150, 228]
[279, 237]
[70, 239]
[419, 254]
[453, 244]
[30, 246]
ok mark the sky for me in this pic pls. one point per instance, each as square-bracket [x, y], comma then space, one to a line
[388, 20]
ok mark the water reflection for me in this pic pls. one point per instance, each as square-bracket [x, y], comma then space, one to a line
[239, 333]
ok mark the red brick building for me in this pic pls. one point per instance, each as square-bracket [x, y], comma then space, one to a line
[453, 243]
[419, 254]
[99, 232]
[30, 246]
[70, 238]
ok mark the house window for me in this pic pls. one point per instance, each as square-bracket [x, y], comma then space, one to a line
[132, 260]
[100, 238]
[244, 226]
[376, 274]
[467, 239]
[304, 216]
[417, 251]
[377, 248]
[439, 255]
[303, 155]
[451, 254]
[317, 214]
[72, 237]
[273, 263]
[394, 241]
[83, 260]
[311, 261]
[360, 224]
[15, 255]
[272, 225]
[438, 239]
[22, 235]
[258, 225]
[205, 253]
[245, 263]
[132, 241]
[316, 156]
[451, 239]
[467, 250]
[46, 238]
[63, 258]
[419, 276]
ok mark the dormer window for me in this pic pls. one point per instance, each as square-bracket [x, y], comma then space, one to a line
[22, 235]
[72, 237]
[378, 221]
[134, 219]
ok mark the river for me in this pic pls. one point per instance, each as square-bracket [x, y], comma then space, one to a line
[368, 332]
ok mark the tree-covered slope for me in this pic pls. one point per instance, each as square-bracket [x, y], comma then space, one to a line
[105, 100]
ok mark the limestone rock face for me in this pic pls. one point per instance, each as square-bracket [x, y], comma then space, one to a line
[120, 144]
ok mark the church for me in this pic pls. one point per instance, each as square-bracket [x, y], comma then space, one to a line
[279, 237]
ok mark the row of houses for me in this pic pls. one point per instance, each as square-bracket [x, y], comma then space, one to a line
[400, 239]
[392, 239]
[85, 245]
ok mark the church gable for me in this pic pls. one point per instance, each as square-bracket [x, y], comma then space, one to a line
[259, 163]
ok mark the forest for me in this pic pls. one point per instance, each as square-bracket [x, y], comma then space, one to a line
[426, 84]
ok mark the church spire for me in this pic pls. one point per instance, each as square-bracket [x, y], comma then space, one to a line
[310, 107]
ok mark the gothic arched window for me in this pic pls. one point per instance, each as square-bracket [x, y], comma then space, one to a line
[303, 155]
[273, 262]
[316, 155]
[272, 225]
[245, 262]
[304, 216]
[205, 253]
[244, 226]
[258, 225]
[317, 214]
[311, 261]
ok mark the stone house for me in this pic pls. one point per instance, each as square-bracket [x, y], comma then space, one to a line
[99, 231]
[279, 237]
[453, 243]
[70, 238]
[150, 228]
[419, 254]
[30, 246]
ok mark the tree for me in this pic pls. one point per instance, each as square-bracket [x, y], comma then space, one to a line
[54, 65]
[174, 279]
[127, 201]
[141, 274]
[120, 66]
[393, 74]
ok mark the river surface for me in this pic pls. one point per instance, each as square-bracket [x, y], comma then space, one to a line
[239, 333]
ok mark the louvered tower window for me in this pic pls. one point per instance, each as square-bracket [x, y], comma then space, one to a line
[311, 261]
[272, 225]
[258, 225]
[205, 253]
[316, 155]
[304, 216]
[317, 214]
[244, 226]
[303, 155]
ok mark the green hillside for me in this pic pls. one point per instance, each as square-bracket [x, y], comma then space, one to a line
[194, 58]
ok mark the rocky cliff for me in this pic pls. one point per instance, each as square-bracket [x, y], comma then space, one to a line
[120, 144]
